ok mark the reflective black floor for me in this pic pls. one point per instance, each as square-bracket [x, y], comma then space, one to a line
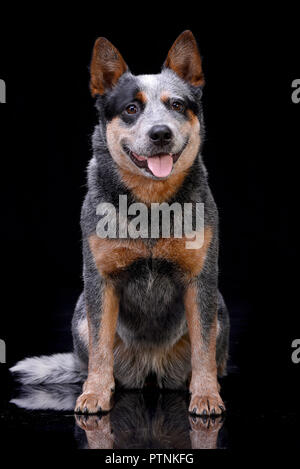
[43, 416]
[261, 393]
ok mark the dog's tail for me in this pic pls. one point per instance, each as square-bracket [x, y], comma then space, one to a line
[53, 369]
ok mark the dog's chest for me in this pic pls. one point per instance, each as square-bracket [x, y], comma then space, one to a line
[114, 256]
[151, 299]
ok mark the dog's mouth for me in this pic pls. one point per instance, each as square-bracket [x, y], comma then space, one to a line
[159, 165]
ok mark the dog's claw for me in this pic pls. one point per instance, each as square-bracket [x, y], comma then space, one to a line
[93, 403]
[206, 406]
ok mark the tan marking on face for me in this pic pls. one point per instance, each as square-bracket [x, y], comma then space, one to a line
[164, 97]
[141, 96]
[192, 117]
[115, 131]
[191, 261]
[112, 256]
[191, 129]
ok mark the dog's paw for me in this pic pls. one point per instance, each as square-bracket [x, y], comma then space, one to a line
[97, 429]
[206, 405]
[204, 431]
[93, 402]
[89, 423]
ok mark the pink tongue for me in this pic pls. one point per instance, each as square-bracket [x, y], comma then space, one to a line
[161, 166]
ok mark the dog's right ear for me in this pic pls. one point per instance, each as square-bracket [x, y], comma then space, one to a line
[107, 66]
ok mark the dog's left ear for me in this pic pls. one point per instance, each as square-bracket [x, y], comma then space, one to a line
[184, 59]
[107, 66]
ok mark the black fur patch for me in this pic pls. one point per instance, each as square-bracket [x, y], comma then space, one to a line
[116, 101]
[155, 314]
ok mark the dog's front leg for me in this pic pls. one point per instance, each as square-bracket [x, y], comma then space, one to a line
[202, 324]
[99, 386]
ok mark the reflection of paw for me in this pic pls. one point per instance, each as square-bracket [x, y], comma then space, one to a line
[204, 431]
[205, 424]
[88, 423]
[92, 403]
[97, 429]
[206, 405]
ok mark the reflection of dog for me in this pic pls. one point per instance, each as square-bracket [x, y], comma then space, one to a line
[149, 305]
[138, 420]
[134, 424]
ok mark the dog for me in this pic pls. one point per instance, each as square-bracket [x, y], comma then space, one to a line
[150, 306]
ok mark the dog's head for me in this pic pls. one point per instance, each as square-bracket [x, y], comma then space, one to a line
[152, 122]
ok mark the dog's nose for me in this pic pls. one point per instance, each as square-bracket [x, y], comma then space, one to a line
[160, 134]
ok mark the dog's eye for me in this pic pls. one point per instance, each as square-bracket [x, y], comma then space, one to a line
[131, 109]
[177, 106]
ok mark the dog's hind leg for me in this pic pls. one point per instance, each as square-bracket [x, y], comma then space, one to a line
[80, 333]
[222, 336]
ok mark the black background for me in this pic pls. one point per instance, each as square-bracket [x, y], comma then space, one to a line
[250, 59]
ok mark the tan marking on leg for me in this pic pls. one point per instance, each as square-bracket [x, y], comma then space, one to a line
[111, 256]
[100, 383]
[205, 398]
[191, 261]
